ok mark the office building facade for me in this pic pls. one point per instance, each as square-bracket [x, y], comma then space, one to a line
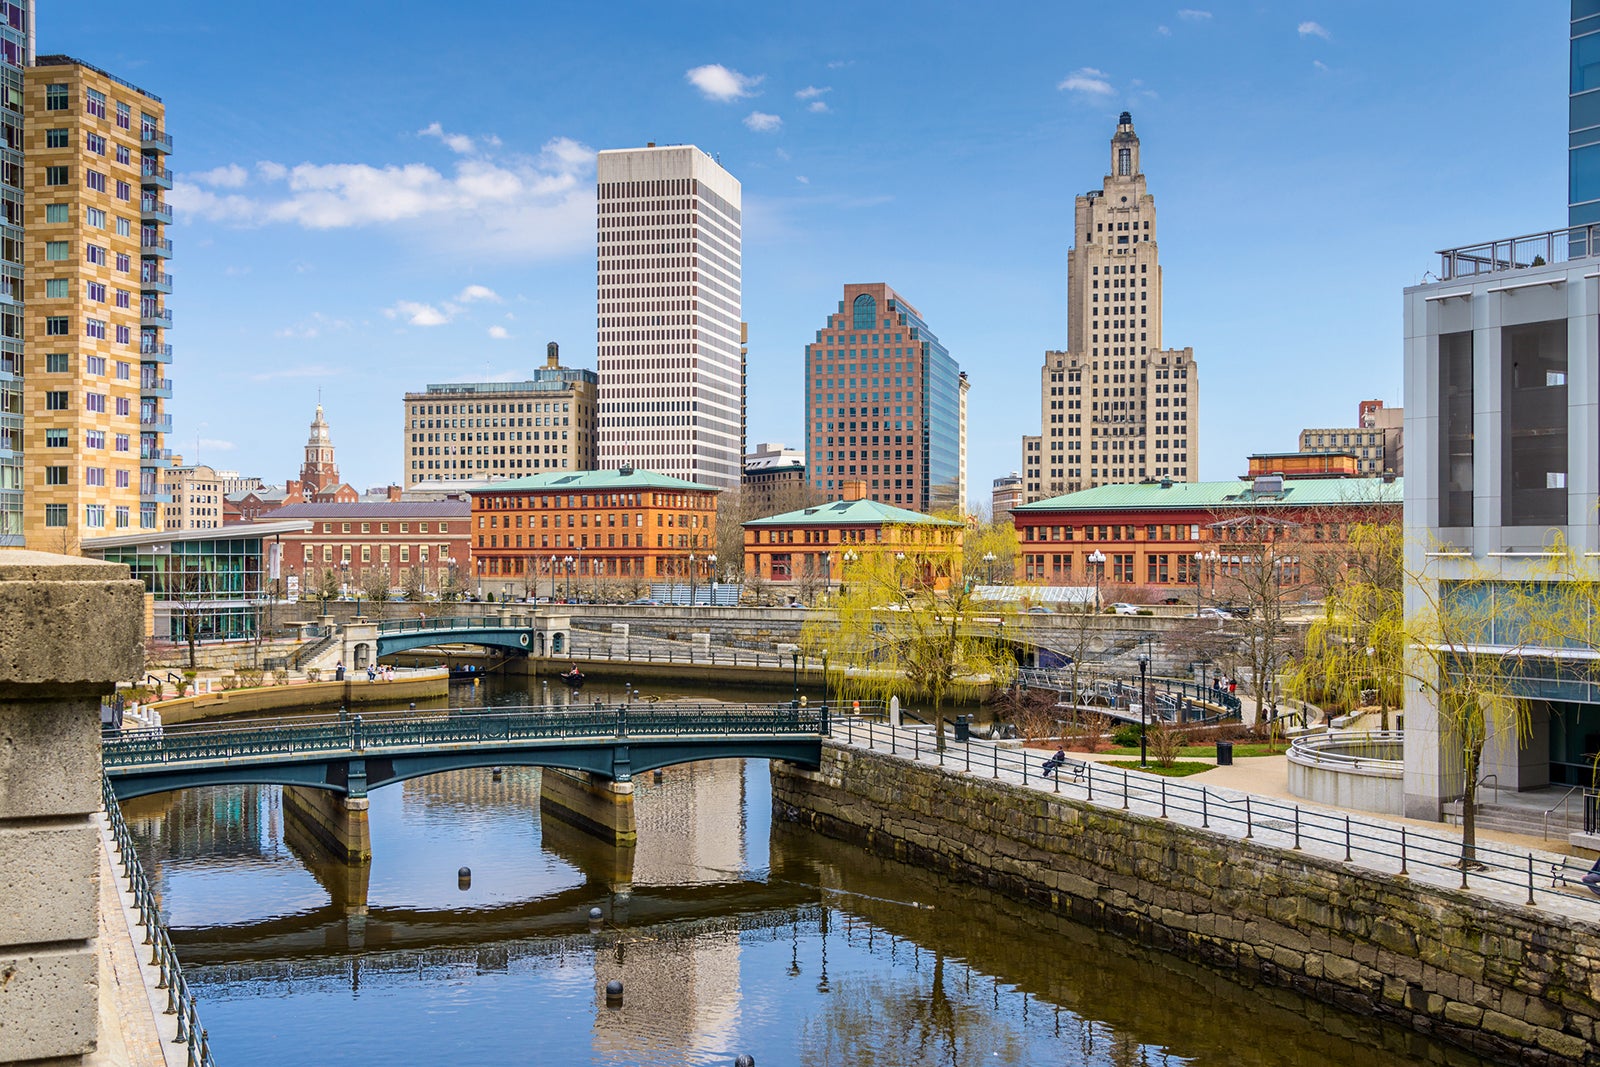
[16, 52]
[96, 320]
[1583, 127]
[1115, 406]
[885, 405]
[1376, 441]
[483, 431]
[195, 498]
[670, 331]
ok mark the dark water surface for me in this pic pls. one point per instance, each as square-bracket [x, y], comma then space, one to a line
[731, 934]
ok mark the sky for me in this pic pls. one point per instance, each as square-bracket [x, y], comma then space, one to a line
[376, 196]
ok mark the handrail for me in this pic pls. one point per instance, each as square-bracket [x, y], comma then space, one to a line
[1319, 749]
[1496, 778]
[180, 1001]
[1566, 816]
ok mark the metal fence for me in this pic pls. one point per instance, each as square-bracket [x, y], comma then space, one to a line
[180, 1001]
[1365, 843]
[727, 657]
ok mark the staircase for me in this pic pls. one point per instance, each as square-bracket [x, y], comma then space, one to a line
[307, 655]
[1525, 813]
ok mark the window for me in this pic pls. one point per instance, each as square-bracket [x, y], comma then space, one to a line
[95, 217]
[124, 228]
[56, 98]
[1455, 430]
[94, 254]
[57, 363]
[94, 364]
[94, 476]
[124, 371]
[123, 156]
[56, 175]
[124, 263]
[97, 292]
[55, 438]
[124, 405]
[1534, 424]
[95, 402]
[57, 213]
[56, 139]
[56, 251]
[55, 288]
[55, 476]
[124, 191]
[1124, 162]
[124, 116]
[94, 103]
[93, 179]
[865, 312]
[94, 516]
[122, 443]
[55, 326]
[95, 328]
[94, 142]
[55, 514]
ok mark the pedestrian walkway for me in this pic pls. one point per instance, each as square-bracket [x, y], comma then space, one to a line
[1246, 802]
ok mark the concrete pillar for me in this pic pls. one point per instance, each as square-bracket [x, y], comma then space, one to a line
[598, 806]
[70, 628]
[620, 634]
[700, 645]
[338, 823]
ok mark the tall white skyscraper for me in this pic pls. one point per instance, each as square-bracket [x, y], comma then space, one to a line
[668, 314]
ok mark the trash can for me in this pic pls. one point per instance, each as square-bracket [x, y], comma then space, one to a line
[963, 728]
[1224, 753]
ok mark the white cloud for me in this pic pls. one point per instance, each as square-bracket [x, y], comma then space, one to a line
[802, 179]
[1315, 29]
[215, 444]
[499, 333]
[818, 107]
[1319, 65]
[514, 205]
[717, 82]
[1164, 31]
[314, 326]
[781, 154]
[231, 176]
[477, 292]
[457, 142]
[812, 91]
[1087, 80]
[417, 314]
[762, 122]
[1189, 14]
[835, 64]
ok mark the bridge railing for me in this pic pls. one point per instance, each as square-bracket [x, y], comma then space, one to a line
[454, 622]
[726, 657]
[1164, 692]
[180, 1002]
[133, 750]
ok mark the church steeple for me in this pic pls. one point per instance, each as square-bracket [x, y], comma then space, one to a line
[319, 471]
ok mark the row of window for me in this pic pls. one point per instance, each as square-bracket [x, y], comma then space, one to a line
[383, 527]
[345, 552]
[94, 516]
[582, 541]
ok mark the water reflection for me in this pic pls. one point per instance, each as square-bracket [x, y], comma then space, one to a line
[730, 934]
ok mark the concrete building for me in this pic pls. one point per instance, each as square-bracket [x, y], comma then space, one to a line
[196, 498]
[490, 431]
[95, 166]
[812, 548]
[1502, 368]
[16, 52]
[885, 404]
[234, 482]
[357, 539]
[1376, 441]
[1006, 494]
[608, 524]
[773, 475]
[670, 329]
[1115, 406]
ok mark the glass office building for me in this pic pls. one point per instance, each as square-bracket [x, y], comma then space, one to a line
[1583, 138]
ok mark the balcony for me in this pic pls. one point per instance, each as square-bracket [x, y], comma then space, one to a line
[155, 498]
[155, 352]
[156, 246]
[150, 387]
[154, 139]
[157, 318]
[1516, 253]
[154, 209]
[156, 177]
[155, 457]
[154, 281]
[155, 423]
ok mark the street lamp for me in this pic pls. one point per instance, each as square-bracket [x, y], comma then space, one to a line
[845, 561]
[711, 572]
[1144, 706]
[1212, 559]
[568, 564]
[988, 565]
[553, 562]
[1097, 560]
[825, 691]
[691, 579]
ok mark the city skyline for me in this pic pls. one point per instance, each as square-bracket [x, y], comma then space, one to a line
[371, 251]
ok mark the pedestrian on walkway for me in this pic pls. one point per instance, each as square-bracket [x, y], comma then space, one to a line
[1233, 686]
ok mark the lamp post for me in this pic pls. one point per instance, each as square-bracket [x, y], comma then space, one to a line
[711, 572]
[1144, 706]
[552, 579]
[848, 558]
[1097, 560]
[1212, 559]
[567, 565]
[988, 568]
[825, 686]
[691, 579]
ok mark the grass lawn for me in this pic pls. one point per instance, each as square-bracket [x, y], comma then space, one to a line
[1240, 751]
[1181, 769]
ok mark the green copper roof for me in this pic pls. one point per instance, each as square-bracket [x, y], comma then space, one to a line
[852, 513]
[593, 481]
[1151, 496]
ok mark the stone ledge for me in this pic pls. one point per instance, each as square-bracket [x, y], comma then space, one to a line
[48, 884]
[67, 624]
[49, 1003]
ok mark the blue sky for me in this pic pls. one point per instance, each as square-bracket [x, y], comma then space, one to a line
[374, 196]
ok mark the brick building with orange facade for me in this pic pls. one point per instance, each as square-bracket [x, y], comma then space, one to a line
[1170, 536]
[622, 523]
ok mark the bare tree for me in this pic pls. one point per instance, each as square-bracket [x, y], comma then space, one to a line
[412, 582]
[452, 588]
[374, 583]
[188, 589]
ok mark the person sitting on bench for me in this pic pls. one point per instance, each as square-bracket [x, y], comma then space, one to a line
[1592, 879]
[1055, 762]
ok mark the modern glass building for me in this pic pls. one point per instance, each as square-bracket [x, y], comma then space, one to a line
[1583, 139]
[212, 581]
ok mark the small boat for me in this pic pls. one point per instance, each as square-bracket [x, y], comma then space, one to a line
[574, 677]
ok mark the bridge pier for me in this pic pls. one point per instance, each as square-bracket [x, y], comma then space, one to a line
[338, 823]
[601, 807]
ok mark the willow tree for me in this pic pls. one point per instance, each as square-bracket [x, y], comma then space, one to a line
[904, 624]
[1358, 644]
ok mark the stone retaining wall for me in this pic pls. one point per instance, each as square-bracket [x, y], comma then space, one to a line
[1511, 983]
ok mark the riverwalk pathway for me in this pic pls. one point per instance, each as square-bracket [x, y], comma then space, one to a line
[1246, 802]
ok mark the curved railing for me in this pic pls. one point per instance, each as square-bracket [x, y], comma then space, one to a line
[180, 1001]
[1369, 749]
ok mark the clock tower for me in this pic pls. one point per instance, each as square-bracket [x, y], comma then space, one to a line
[319, 472]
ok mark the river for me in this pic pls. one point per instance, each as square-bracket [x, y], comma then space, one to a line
[731, 934]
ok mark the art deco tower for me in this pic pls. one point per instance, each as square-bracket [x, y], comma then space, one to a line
[1115, 406]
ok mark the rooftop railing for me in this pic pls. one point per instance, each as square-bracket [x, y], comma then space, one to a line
[1516, 253]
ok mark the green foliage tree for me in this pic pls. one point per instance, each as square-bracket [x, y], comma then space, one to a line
[895, 632]
[327, 585]
[989, 538]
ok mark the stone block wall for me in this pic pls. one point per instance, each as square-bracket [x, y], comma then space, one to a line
[70, 628]
[1515, 984]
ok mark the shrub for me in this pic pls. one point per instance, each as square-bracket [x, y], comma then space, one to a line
[249, 678]
[1125, 736]
[230, 681]
[280, 675]
[1165, 743]
[314, 674]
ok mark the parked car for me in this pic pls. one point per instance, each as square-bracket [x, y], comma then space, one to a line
[1125, 609]
[1040, 611]
[644, 602]
[1211, 613]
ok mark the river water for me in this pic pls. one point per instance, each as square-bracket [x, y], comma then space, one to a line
[731, 934]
